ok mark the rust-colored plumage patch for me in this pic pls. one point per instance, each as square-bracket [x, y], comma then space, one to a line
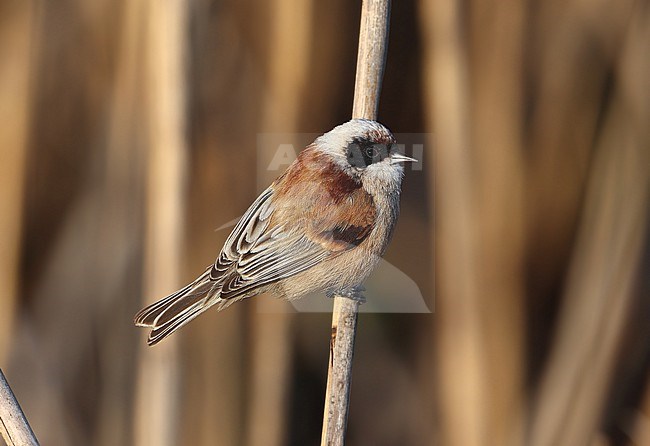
[313, 168]
[332, 207]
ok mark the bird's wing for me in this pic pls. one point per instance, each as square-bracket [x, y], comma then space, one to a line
[279, 237]
[259, 252]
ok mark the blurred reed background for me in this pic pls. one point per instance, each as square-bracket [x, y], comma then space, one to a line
[128, 132]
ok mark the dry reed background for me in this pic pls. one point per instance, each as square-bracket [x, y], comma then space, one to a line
[128, 132]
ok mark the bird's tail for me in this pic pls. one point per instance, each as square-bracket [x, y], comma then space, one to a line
[172, 312]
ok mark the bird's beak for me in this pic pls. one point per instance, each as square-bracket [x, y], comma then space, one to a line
[399, 158]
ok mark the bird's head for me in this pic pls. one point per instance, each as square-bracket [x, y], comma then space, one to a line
[368, 152]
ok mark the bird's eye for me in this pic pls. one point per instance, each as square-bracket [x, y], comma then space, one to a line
[372, 152]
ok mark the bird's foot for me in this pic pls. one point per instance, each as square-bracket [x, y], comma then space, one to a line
[354, 293]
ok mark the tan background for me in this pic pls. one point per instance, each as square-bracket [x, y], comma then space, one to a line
[128, 133]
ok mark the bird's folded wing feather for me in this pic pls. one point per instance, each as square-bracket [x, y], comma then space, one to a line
[278, 238]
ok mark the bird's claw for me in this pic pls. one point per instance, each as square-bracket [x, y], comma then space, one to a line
[354, 293]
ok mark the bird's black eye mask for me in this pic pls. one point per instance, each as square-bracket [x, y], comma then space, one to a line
[362, 152]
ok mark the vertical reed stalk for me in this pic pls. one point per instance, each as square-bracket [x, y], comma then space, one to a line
[158, 400]
[290, 41]
[16, 40]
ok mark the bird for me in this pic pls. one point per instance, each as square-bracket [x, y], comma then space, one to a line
[322, 226]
